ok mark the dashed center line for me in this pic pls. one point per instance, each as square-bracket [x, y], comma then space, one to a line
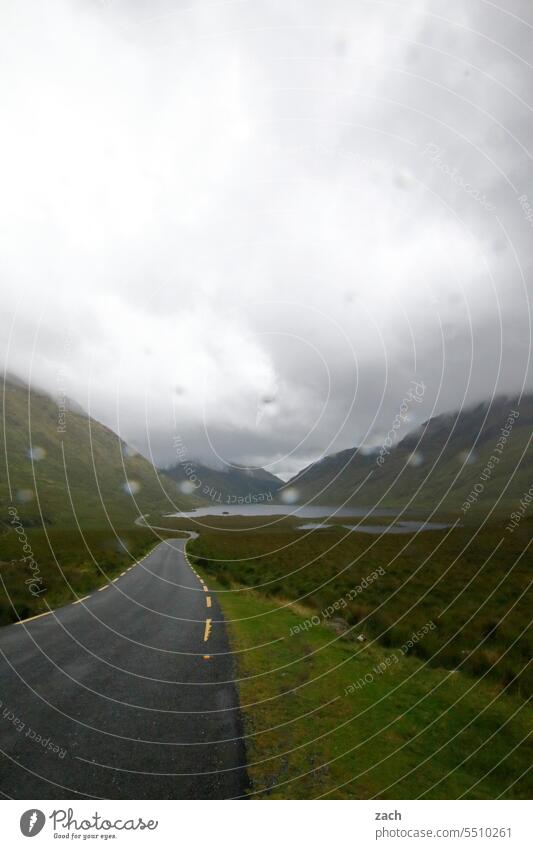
[208, 601]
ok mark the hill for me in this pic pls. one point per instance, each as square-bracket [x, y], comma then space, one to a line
[60, 466]
[465, 463]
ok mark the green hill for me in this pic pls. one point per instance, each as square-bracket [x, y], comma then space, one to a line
[465, 463]
[70, 491]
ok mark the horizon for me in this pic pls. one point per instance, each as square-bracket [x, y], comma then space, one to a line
[405, 428]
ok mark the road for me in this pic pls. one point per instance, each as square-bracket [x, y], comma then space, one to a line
[126, 694]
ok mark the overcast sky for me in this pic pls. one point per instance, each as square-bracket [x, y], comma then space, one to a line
[250, 225]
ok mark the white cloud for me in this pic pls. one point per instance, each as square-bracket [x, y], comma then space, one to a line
[205, 207]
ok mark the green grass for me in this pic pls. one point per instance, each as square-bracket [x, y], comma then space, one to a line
[447, 716]
[413, 731]
[471, 582]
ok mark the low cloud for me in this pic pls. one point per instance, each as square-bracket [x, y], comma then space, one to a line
[228, 222]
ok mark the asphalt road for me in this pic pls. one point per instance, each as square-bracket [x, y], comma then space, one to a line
[127, 694]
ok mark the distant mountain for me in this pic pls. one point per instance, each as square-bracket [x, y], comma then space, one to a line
[59, 462]
[463, 462]
[233, 484]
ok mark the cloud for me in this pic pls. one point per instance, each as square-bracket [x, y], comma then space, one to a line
[204, 207]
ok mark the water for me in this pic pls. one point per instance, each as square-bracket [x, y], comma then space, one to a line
[305, 511]
[398, 528]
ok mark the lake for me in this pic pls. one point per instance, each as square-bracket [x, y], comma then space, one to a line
[397, 528]
[304, 511]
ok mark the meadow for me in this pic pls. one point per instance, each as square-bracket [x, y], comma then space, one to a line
[472, 582]
[378, 667]
[324, 719]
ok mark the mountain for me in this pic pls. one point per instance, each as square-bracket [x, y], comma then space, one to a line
[465, 462]
[233, 484]
[60, 466]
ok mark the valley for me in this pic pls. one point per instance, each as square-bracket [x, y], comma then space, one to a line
[376, 629]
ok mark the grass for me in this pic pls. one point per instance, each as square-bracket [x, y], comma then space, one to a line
[472, 583]
[445, 714]
[412, 731]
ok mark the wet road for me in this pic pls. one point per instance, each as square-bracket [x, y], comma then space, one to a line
[126, 694]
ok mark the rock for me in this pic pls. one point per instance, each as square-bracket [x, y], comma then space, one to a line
[339, 625]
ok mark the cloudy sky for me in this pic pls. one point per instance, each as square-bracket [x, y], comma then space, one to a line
[251, 225]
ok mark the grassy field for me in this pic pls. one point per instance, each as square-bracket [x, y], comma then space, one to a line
[60, 468]
[408, 731]
[432, 703]
[471, 582]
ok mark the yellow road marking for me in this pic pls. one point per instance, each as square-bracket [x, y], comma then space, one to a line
[207, 630]
[207, 656]
[208, 601]
[205, 588]
[122, 573]
[114, 579]
[31, 618]
[103, 588]
[81, 599]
